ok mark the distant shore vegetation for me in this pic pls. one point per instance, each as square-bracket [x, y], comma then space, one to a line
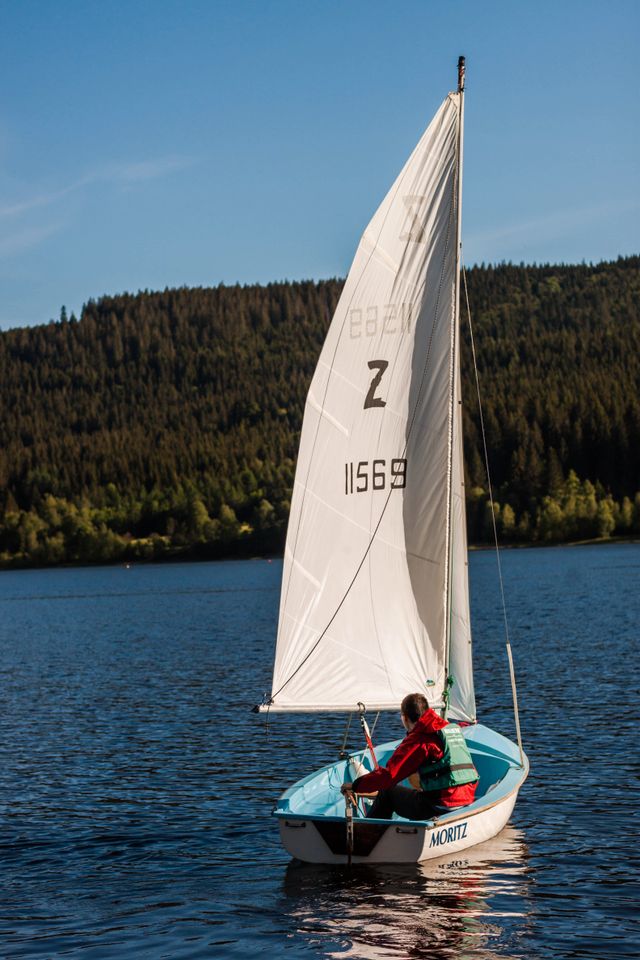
[165, 425]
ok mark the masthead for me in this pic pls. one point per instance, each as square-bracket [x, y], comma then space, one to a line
[460, 74]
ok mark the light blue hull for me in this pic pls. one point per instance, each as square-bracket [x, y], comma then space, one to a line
[312, 821]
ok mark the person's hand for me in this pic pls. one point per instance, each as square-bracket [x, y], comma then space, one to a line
[349, 796]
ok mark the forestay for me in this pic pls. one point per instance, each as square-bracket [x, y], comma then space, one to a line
[374, 597]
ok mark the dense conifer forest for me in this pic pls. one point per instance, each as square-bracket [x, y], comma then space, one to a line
[166, 424]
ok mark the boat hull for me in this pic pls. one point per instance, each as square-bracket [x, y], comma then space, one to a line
[311, 842]
[313, 827]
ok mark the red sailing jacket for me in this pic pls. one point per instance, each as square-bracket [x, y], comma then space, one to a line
[421, 744]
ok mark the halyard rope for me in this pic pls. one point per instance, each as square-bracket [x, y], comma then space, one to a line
[493, 520]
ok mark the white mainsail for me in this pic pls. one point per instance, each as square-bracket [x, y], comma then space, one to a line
[374, 600]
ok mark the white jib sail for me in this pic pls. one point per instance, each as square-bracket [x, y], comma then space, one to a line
[364, 606]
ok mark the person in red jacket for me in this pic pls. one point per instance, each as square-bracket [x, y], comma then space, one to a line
[442, 761]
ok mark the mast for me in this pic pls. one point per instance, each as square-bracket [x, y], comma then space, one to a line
[455, 323]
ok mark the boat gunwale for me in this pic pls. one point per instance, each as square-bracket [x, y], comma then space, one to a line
[514, 772]
[477, 745]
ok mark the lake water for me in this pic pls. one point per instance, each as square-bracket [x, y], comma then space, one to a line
[136, 787]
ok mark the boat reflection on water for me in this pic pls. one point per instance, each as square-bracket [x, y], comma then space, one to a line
[469, 905]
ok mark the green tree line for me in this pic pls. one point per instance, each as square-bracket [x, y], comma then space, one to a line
[167, 423]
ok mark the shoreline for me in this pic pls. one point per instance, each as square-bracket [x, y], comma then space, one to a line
[535, 544]
[242, 555]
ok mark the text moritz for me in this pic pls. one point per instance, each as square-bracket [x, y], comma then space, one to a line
[448, 834]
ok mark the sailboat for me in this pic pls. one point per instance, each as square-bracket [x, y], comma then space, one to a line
[375, 599]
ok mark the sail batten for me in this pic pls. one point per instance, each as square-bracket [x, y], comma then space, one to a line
[374, 517]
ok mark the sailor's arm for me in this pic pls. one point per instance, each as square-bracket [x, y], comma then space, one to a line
[404, 761]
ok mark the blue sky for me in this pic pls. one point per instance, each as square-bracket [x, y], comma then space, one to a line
[154, 144]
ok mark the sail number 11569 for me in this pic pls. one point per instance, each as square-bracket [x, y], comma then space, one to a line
[375, 475]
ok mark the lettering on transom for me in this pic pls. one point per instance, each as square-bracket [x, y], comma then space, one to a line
[449, 834]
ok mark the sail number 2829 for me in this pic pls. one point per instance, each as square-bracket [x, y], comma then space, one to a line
[375, 475]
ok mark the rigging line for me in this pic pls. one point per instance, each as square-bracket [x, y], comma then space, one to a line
[373, 728]
[486, 457]
[343, 749]
[406, 445]
[493, 519]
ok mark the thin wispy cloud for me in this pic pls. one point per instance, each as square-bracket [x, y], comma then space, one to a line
[145, 169]
[32, 203]
[117, 173]
[26, 238]
[558, 223]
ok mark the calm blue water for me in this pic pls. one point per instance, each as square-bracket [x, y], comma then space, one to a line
[136, 786]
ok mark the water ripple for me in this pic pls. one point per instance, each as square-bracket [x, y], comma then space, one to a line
[136, 787]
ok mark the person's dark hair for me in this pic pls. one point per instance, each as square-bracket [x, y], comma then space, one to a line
[413, 706]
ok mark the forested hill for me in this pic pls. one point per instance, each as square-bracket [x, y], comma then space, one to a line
[168, 423]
